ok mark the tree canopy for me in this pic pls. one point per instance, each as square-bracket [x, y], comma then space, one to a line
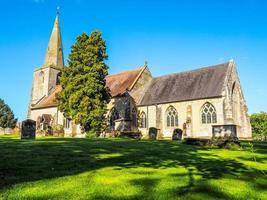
[84, 95]
[7, 118]
[259, 124]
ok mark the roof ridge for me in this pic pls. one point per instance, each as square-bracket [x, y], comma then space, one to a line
[194, 70]
[203, 83]
[126, 71]
[142, 69]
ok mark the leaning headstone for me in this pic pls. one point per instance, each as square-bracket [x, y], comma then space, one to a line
[177, 134]
[28, 129]
[152, 133]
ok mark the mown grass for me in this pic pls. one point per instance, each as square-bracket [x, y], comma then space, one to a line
[61, 168]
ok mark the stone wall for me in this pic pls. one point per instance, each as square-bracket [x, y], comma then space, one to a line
[231, 109]
[53, 111]
[141, 85]
[73, 131]
[197, 128]
[124, 106]
[6, 131]
[44, 80]
[235, 108]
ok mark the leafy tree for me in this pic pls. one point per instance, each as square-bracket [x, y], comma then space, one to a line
[7, 119]
[259, 124]
[84, 95]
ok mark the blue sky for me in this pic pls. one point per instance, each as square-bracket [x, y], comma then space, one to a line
[171, 35]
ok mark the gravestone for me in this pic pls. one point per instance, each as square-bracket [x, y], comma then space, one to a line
[28, 129]
[177, 134]
[152, 133]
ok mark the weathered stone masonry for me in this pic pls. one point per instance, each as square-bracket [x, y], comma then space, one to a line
[204, 102]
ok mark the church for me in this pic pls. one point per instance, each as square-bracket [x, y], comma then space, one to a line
[204, 102]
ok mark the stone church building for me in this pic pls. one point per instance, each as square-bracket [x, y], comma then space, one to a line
[204, 102]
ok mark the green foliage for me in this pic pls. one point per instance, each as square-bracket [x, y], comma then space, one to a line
[58, 130]
[259, 124]
[227, 142]
[7, 119]
[254, 157]
[84, 95]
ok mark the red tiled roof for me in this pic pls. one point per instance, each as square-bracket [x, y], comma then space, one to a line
[49, 101]
[121, 82]
[117, 83]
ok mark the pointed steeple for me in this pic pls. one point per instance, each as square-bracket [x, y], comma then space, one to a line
[54, 53]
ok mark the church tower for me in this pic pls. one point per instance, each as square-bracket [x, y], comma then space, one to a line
[45, 79]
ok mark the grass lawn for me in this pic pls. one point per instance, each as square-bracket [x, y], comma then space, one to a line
[61, 168]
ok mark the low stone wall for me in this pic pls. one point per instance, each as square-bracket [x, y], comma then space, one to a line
[6, 131]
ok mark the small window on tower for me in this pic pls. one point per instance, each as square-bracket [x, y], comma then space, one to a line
[41, 77]
[58, 78]
[233, 89]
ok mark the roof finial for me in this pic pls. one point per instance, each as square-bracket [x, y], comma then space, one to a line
[58, 10]
[231, 60]
[146, 63]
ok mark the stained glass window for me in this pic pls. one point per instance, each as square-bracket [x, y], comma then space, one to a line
[208, 114]
[172, 117]
[143, 120]
[114, 115]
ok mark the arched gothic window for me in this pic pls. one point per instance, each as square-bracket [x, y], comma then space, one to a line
[134, 117]
[143, 120]
[208, 114]
[114, 115]
[172, 117]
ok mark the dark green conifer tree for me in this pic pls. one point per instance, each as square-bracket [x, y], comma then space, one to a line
[7, 118]
[84, 95]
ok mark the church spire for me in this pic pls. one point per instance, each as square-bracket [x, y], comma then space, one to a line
[54, 53]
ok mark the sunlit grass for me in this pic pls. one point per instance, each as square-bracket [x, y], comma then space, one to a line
[60, 168]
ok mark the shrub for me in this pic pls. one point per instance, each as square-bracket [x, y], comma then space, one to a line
[58, 130]
[49, 131]
[113, 134]
[227, 142]
[197, 141]
[259, 125]
[134, 135]
[91, 134]
[40, 133]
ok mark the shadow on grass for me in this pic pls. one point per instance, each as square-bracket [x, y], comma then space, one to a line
[24, 161]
